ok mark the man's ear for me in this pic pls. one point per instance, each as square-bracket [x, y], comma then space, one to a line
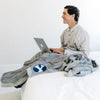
[73, 15]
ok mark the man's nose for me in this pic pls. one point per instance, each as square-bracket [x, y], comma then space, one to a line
[62, 16]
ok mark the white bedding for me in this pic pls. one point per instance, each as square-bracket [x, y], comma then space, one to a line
[56, 86]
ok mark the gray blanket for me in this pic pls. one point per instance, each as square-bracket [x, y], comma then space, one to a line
[76, 64]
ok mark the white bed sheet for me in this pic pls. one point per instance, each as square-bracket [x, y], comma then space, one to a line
[56, 86]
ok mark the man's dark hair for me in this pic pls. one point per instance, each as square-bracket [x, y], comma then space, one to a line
[73, 10]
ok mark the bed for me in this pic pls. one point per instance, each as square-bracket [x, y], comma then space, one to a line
[56, 86]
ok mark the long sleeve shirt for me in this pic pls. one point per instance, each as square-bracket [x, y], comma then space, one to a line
[75, 38]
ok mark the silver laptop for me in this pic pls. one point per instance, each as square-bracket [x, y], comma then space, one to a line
[42, 45]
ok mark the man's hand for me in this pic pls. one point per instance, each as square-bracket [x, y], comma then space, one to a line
[60, 51]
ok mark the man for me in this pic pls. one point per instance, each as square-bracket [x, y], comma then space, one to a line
[74, 37]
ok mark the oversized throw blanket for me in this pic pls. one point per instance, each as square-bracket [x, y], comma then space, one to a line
[76, 64]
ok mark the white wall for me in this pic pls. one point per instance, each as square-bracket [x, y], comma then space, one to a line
[21, 20]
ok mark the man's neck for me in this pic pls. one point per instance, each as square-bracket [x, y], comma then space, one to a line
[72, 24]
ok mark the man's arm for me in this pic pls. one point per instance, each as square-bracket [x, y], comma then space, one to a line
[82, 42]
[60, 51]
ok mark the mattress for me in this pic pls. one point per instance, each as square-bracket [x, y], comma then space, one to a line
[56, 86]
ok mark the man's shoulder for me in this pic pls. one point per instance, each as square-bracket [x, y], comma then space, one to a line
[81, 29]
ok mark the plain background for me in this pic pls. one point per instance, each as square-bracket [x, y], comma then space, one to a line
[21, 20]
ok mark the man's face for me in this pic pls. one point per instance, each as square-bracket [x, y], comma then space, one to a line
[66, 17]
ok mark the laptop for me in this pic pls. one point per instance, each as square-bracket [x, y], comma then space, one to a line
[42, 45]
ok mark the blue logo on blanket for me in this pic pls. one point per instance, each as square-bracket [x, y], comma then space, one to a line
[39, 68]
